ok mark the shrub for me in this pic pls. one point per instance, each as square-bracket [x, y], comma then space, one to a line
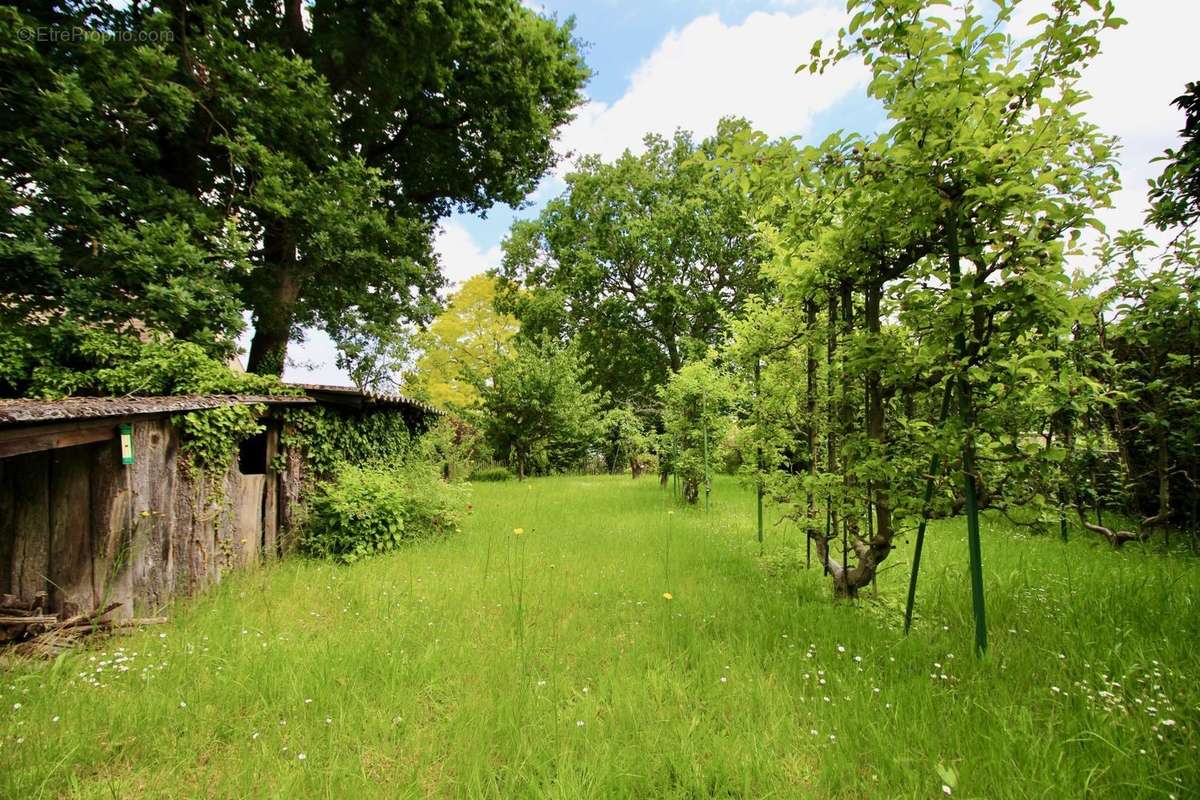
[453, 443]
[367, 510]
[491, 474]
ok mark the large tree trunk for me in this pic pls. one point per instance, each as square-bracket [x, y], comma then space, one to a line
[275, 305]
[868, 553]
[675, 360]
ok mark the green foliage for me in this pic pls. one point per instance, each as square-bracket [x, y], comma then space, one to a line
[342, 194]
[638, 261]
[1175, 195]
[453, 443]
[538, 412]
[331, 438]
[157, 366]
[1143, 339]
[367, 510]
[625, 440]
[491, 474]
[211, 437]
[99, 247]
[462, 346]
[697, 404]
[167, 168]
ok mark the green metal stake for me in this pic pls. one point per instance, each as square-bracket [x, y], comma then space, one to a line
[934, 464]
[758, 453]
[967, 415]
[704, 424]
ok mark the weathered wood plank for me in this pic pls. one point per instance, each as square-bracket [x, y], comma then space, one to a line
[70, 567]
[152, 479]
[30, 564]
[8, 502]
[270, 504]
[290, 507]
[225, 525]
[164, 501]
[248, 517]
[112, 524]
[51, 437]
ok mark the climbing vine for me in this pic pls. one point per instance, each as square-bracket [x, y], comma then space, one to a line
[210, 437]
[331, 438]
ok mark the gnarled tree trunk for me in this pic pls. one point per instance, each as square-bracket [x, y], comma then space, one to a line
[275, 308]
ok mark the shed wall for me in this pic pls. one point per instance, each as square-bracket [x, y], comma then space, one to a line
[88, 530]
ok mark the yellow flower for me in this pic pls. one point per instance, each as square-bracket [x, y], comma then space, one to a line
[518, 531]
[669, 513]
[668, 596]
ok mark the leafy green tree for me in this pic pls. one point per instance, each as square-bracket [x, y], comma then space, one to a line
[697, 403]
[953, 224]
[287, 159]
[463, 346]
[1146, 329]
[431, 107]
[538, 411]
[638, 260]
[625, 440]
[98, 250]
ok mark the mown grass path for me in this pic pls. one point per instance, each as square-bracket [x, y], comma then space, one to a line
[550, 664]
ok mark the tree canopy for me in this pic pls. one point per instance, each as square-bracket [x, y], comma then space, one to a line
[463, 347]
[638, 260]
[283, 160]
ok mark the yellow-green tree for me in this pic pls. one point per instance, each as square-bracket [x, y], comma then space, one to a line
[462, 346]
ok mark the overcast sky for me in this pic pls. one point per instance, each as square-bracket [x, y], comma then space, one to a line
[670, 64]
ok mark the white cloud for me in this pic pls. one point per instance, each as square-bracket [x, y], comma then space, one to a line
[709, 70]
[460, 255]
[1141, 68]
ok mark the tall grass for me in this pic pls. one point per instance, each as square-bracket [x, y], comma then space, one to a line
[551, 664]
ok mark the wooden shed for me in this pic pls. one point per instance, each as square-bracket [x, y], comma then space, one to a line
[89, 526]
[97, 506]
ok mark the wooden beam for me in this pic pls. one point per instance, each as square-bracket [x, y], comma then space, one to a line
[52, 437]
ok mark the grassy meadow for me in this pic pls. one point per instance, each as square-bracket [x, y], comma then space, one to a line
[624, 646]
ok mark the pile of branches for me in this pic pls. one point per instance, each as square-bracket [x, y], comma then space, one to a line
[37, 632]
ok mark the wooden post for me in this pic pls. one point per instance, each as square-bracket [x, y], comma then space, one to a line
[270, 507]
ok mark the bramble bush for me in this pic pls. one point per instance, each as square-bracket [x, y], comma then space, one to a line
[367, 510]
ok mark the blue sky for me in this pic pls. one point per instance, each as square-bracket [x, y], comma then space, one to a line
[664, 64]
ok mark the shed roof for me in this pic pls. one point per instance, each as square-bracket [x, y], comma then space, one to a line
[25, 412]
[358, 398]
